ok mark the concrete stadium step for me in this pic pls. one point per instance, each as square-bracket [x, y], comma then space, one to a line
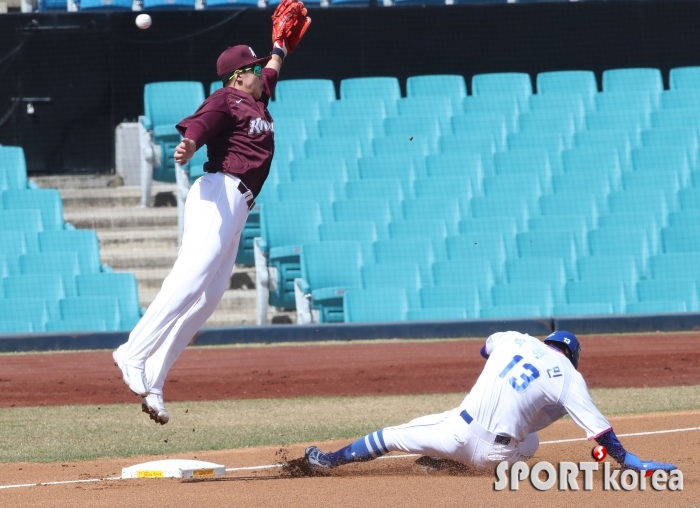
[125, 259]
[143, 238]
[238, 300]
[122, 217]
[150, 279]
[163, 195]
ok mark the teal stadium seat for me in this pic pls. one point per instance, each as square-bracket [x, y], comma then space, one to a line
[390, 190]
[450, 85]
[214, 86]
[47, 201]
[513, 311]
[544, 269]
[348, 147]
[675, 265]
[635, 79]
[15, 326]
[632, 121]
[601, 163]
[442, 108]
[409, 251]
[375, 108]
[165, 104]
[681, 139]
[404, 275]
[620, 139]
[375, 305]
[415, 127]
[684, 78]
[458, 185]
[83, 311]
[575, 224]
[681, 239]
[364, 232]
[506, 226]
[516, 207]
[674, 118]
[321, 191]
[402, 167]
[628, 101]
[484, 108]
[571, 202]
[455, 164]
[105, 5]
[457, 301]
[378, 212]
[47, 286]
[12, 246]
[669, 290]
[65, 264]
[13, 168]
[285, 227]
[329, 269]
[305, 109]
[437, 314]
[522, 185]
[662, 159]
[534, 161]
[549, 244]
[621, 240]
[331, 167]
[27, 222]
[610, 267]
[600, 291]
[452, 276]
[689, 199]
[17, 312]
[401, 146]
[364, 128]
[656, 307]
[653, 201]
[551, 121]
[580, 82]
[450, 210]
[521, 294]
[582, 309]
[83, 242]
[513, 84]
[683, 99]
[77, 324]
[560, 103]
[487, 245]
[380, 87]
[290, 90]
[4, 270]
[474, 133]
[122, 286]
[419, 228]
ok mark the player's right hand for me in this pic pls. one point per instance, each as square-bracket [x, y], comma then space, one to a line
[184, 151]
[635, 463]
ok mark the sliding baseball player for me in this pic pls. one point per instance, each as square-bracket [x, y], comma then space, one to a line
[525, 386]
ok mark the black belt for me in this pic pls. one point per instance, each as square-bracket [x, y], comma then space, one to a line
[250, 200]
[504, 440]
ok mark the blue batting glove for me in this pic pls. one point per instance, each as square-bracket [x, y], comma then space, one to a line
[634, 462]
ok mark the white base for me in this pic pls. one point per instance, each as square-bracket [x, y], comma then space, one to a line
[174, 468]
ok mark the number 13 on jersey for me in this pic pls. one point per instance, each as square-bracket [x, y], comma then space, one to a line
[520, 384]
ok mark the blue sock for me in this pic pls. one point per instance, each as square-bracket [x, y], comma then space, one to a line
[367, 448]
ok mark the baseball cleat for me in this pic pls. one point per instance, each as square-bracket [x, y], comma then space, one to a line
[155, 407]
[317, 459]
[133, 377]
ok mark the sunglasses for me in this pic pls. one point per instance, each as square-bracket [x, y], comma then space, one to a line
[257, 70]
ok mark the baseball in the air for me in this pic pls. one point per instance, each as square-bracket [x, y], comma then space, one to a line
[143, 21]
[599, 453]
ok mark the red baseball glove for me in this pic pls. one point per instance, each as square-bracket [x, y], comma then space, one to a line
[289, 24]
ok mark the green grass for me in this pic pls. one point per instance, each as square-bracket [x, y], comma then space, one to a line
[62, 433]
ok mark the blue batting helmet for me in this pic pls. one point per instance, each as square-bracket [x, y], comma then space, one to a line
[569, 340]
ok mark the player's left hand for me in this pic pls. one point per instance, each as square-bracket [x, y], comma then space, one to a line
[635, 463]
[289, 24]
[184, 151]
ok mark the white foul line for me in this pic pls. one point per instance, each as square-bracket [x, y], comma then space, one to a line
[273, 466]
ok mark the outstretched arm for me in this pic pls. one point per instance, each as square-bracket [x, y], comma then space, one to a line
[628, 459]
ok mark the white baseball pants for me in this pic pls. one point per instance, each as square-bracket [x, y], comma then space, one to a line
[448, 436]
[215, 213]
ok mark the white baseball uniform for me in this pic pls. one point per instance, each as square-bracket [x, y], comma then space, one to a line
[524, 387]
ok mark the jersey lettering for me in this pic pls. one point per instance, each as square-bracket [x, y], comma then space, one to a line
[520, 385]
[259, 125]
[555, 372]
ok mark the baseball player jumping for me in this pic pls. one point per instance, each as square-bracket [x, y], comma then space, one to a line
[525, 386]
[237, 128]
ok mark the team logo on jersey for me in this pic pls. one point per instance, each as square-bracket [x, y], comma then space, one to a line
[260, 125]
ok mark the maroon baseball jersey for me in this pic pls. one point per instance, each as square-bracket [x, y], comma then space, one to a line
[238, 132]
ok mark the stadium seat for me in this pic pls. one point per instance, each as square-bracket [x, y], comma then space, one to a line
[407, 251]
[621, 240]
[626, 80]
[52, 5]
[594, 163]
[289, 90]
[419, 228]
[628, 101]
[610, 267]
[458, 186]
[485, 109]
[441, 108]
[516, 207]
[77, 324]
[533, 161]
[404, 275]
[390, 190]
[521, 294]
[86, 310]
[684, 99]
[375, 108]
[681, 239]
[373, 305]
[445, 166]
[417, 148]
[600, 291]
[169, 5]
[413, 127]
[47, 201]
[557, 82]
[656, 307]
[306, 109]
[354, 210]
[122, 286]
[66, 264]
[348, 147]
[684, 77]
[513, 311]
[450, 85]
[332, 168]
[471, 137]
[559, 103]
[16, 312]
[632, 121]
[12, 246]
[321, 191]
[13, 168]
[448, 209]
[364, 232]
[572, 202]
[622, 140]
[47, 286]
[514, 84]
[488, 245]
[215, 85]
[437, 314]
[464, 297]
[662, 159]
[673, 290]
[541, 269]
[281, 239]
[675, 265]
[550, 141]
[504, 225]
[105, 5]
[328, 270]
[374, 87]
[576, 224]
[364, 128]
[465, 274]
[83, 242]
[296, 130]
[549, 244]
[518, 184]
[27, 222]
[582, 309]
[396, 166]
[653, 201]
[165, 104]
